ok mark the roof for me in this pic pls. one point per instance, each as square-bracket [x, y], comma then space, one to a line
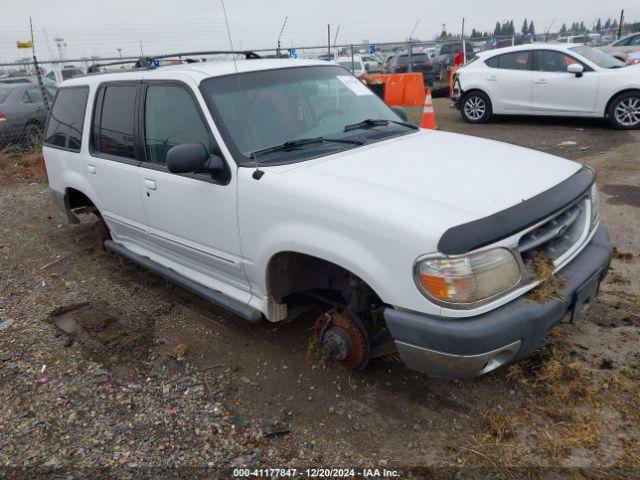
[528, 46]
[197, 71]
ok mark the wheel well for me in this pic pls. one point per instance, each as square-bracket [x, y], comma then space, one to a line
[76, 199]
[616, 95]
[292, 272]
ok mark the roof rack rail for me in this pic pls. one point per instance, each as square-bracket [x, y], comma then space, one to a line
[153, 62]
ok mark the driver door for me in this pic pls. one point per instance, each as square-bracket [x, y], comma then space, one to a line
[558, 92]
[192, 218]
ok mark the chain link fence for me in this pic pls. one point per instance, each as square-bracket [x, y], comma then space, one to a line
[25, 99]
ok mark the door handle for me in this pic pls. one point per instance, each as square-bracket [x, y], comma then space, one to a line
[542, 81]
[492, 79]
[92, 169]
[150, 184]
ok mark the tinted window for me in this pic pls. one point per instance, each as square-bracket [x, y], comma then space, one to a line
[511, 61]
[550, 61]
[416, 57]
[67, 118]
[598, 57]
[113, 121]
[33, 95]
[171, 118]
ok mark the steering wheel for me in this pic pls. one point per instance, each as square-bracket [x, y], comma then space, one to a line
[326, 113]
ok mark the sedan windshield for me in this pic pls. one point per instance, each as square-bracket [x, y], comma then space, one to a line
[263, 109]
[601, 59]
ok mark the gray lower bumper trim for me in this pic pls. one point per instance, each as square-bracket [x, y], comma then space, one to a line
[446, 365]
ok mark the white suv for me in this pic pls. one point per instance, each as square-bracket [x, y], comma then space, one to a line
[287, 185]
[547, 79]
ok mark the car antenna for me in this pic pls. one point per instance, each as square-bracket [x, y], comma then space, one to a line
[257, 174]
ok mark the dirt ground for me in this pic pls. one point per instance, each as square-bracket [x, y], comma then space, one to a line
[105, 366]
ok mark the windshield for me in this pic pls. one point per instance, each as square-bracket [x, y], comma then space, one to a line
[598, 57]
[258, 110]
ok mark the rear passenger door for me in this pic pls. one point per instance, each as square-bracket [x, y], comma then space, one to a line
[112, 167]
[192, 218]
[509, 82]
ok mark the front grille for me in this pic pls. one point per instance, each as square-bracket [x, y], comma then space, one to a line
[556, 236]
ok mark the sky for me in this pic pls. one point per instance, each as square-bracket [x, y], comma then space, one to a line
[91, 27]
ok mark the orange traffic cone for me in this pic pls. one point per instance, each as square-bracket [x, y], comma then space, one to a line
[428, 116]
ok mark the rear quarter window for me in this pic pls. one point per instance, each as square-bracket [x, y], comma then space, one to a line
[66, 120]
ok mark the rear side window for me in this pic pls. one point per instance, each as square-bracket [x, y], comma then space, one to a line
[113, 120]
[510, 61]
[67, 118]
[171, 118]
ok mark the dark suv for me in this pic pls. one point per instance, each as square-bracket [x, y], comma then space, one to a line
[420, 63]
[445, 57]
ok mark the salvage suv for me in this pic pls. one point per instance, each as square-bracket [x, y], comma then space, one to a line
[283, 189]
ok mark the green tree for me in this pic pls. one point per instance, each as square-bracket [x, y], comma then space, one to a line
[512, 29]
[498, 30]
[599, 25]
[525, 27]
[532, 28]
[563, 29]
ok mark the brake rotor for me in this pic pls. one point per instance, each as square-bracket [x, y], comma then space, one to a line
[344, 339]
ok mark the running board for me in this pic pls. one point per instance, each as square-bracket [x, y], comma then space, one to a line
[242, 310]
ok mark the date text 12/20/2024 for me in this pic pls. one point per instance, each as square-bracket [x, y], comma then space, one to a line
[315, 473]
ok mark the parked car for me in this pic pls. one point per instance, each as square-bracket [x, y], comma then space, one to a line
[547, 79]
[446, 55]
[289, 185]
[420, 63]
[623, 47]
[355, 65]
[633, 58]
[372, 63]
[22, 109]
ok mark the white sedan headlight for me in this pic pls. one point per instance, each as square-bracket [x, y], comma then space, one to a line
[595, 210]
[469, 278]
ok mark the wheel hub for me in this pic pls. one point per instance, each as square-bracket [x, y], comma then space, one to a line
[343, 338]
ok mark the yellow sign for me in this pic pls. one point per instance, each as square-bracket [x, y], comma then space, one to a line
[24, 44]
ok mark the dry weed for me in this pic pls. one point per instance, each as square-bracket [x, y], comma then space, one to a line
[19, 164]
[552, 285]
[625, 257]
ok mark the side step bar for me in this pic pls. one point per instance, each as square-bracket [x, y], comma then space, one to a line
[242, 310]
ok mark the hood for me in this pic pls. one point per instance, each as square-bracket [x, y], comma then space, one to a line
[435, 179]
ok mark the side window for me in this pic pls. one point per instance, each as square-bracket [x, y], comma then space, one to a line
[550, 61]
[113, 120]
[171, 118]
[635, 41]
[492, 62]
[35, 95]
[514, 61]
[67, 118]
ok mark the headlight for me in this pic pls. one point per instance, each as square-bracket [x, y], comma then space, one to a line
[595, 211]
[469, 278]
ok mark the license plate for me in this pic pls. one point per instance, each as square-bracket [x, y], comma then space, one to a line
[585, 296]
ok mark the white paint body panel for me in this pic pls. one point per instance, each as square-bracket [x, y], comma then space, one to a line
[547, 93]
[372, 210]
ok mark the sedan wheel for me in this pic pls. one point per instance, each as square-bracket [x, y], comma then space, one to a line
[625, 111]
[476, 108]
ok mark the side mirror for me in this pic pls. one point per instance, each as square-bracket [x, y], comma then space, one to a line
[576, 69]
[193, 158]
[401, 112]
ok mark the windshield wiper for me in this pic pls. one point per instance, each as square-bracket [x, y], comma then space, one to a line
[376, 122]
[295, 144]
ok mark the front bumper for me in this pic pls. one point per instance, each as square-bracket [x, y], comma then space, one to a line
[468, 347]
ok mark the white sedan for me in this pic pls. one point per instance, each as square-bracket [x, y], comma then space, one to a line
[552, 80]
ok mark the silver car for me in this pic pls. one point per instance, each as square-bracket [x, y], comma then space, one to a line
[623, 47]
[22, 110]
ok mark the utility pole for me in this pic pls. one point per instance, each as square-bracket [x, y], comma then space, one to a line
[60, 44]
[335, 38]
[141, 52]
[620, 24]
[329, 41]
[45, 99]
[119, 53]
[281, 30]
[464, 45]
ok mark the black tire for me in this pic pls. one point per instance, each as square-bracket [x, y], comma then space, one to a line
[624, 111]
[475, 107]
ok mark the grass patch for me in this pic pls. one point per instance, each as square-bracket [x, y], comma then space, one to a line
[552, 285]
[22, 164]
